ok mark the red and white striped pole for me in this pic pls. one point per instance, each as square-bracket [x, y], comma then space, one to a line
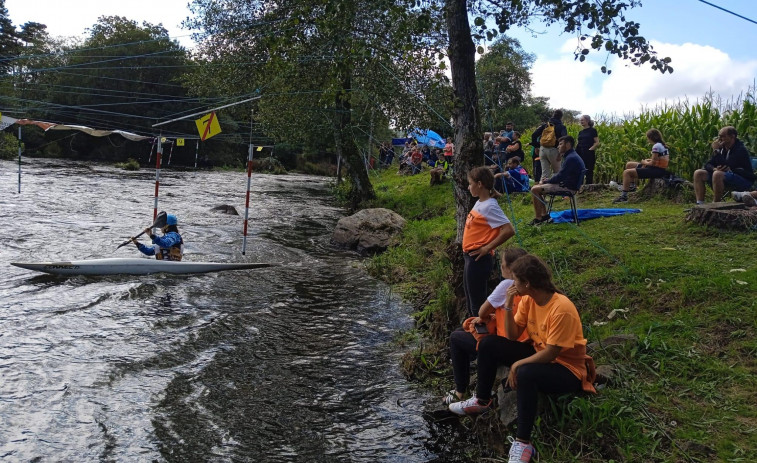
[247, 201]
[157, 178]
[170, 155]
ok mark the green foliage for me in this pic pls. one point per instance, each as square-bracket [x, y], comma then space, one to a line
[683, 392]
[130, 164]
[8, 146]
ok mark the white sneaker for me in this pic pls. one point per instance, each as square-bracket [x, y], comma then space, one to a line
[520, 452]
[470, 407]
[749, 200]
[738, 195]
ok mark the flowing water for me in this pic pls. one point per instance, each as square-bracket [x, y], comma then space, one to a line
[289, 363]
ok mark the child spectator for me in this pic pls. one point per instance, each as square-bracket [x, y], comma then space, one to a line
[515, 177]
[485, 228]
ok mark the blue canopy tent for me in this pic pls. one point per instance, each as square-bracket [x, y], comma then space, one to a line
[427, 137]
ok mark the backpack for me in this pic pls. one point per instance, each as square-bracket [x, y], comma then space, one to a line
[548, 139]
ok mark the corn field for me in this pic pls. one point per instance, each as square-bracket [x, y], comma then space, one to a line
[688, 130]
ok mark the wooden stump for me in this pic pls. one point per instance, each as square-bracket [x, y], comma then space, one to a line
[659, 187]
[726, 216]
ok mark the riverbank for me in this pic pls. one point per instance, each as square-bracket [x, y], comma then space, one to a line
[683, 392]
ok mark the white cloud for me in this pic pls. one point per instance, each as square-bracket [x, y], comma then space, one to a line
[699, 69]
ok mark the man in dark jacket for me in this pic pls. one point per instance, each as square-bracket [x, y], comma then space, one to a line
[548, 135]
[730, 166]
[569, 177]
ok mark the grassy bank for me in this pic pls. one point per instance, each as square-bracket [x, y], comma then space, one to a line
[684, 392]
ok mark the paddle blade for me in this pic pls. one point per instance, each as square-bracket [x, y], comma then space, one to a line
[160, 220]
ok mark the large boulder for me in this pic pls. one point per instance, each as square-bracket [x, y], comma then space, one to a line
[369, 230]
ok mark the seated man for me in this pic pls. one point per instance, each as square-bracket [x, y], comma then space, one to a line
[569, 177]
[515, 177]
[729, 166]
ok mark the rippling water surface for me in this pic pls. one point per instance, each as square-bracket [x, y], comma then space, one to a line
[292, 363]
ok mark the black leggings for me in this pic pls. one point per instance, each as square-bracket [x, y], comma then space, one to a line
[548, 378]
[590, 160]
[462, 349]
[475, 281]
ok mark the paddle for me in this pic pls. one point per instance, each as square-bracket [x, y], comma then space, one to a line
[160, 221]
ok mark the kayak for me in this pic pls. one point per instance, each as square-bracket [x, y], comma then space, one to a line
[133, 266]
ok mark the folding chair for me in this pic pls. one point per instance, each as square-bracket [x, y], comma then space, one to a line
[564, 193]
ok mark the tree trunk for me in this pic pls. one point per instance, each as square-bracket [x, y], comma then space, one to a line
[466, 119]
[360, 185]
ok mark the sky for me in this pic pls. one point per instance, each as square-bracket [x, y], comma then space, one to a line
[710, 49]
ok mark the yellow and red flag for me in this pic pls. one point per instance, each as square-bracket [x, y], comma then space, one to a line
[208, 126]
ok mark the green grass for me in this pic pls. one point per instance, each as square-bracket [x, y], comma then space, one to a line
[687, 390]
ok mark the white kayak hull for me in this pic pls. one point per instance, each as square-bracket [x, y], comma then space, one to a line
[133, 266]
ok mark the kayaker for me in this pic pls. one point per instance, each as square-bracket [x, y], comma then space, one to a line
[170, 246]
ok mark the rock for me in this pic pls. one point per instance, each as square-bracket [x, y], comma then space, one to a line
[225, 209]
[506, 398]
[605, 374]
[369, 230]
[726, 216]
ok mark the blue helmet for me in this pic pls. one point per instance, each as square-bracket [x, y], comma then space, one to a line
[171, 220]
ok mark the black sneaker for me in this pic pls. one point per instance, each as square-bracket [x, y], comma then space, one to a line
[620, 199]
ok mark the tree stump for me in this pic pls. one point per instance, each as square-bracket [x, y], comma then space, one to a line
[659, 187]
[726, 216]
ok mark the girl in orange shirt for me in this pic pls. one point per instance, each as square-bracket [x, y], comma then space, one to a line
[485, 228]
[556, 362]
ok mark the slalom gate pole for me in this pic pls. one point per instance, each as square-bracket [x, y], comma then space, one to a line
[170, 155]
[197, 151]
[157, 179]
[19, 159]
[149, 158]
[247, 201]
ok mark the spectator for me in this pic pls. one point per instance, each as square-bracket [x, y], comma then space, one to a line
[508, 132]
[485, 228]
[569, 177]
[433, 158]
[536, 163]
[416, 159]
[464, 343]
[588, 141]
[382, 154]
[556, 362]
[654, 167]
[515, 148]
[389, 154]
[549, 133]
[449, 151]
[515, 177]
[729, 166]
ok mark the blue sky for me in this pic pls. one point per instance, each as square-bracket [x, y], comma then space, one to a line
[711, 49]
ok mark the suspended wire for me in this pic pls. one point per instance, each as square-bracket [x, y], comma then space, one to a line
[729, 11]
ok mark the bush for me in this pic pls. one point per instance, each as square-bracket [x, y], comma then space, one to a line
[130, 164]
[9, 146]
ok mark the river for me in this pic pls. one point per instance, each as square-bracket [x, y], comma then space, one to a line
[296, 362]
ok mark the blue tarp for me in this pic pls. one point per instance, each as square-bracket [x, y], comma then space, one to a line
[427, 137]
[566, 216]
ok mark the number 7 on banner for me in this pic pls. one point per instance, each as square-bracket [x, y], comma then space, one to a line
[208, 126]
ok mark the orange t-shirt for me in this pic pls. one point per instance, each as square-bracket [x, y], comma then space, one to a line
[483, 224]
[557, 323]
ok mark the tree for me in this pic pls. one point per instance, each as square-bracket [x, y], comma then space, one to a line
[504, 79]
[323, 66]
